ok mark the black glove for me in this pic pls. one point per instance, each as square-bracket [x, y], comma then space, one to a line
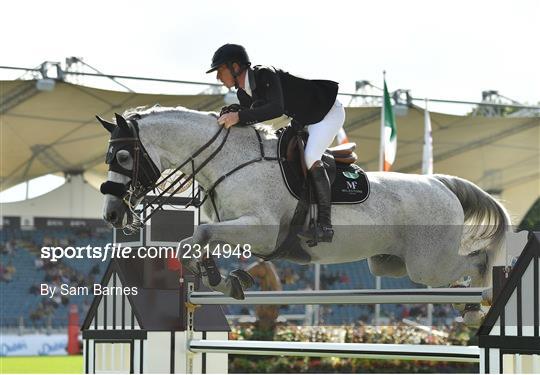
[231, 108]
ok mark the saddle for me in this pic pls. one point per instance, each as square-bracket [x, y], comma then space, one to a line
[349, 186]
[349, 182]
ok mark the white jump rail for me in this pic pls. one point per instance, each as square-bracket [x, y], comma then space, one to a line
[321, 349]
[351, 297]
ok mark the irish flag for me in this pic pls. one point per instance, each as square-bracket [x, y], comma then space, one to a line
[342, 137]
[388, 133]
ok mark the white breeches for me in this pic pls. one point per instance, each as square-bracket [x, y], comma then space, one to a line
[322, 134]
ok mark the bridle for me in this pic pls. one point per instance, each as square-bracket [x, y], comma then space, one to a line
[145, 175]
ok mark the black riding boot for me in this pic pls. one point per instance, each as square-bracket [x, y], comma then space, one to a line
[323, 231]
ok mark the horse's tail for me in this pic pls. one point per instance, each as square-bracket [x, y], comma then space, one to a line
[488, 218]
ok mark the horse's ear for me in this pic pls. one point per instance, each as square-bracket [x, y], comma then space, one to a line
[106, 124]
[121, 122]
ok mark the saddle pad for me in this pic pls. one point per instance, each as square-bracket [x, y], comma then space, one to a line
[350, 185]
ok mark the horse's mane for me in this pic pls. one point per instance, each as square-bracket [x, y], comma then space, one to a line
[267, 131]
[146, 110]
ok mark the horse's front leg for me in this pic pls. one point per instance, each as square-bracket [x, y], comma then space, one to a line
[242, 231]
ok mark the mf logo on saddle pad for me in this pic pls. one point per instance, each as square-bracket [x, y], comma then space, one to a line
[351, 175]
[352, 185]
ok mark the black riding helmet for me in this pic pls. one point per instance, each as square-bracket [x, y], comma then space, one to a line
[229, 54]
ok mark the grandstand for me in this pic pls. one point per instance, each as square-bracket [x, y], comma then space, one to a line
[24, 308]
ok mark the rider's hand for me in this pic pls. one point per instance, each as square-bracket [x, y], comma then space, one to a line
[228, 119]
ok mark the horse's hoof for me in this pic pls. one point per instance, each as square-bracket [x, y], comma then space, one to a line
[236, 288]
[473, 315]
[246, 280]
[473, 319]
[487, 297]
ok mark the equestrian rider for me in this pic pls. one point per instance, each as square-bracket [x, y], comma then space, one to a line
[266, 93]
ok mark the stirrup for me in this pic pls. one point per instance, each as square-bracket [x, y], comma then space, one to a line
[326, 233]
[317, 233]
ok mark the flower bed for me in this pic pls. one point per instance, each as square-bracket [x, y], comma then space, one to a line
[395, 334]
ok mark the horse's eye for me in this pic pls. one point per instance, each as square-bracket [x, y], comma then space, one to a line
[124, 159]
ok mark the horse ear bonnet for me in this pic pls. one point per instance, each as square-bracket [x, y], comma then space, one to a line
[120, 131]
[121, 122]
[106, 124]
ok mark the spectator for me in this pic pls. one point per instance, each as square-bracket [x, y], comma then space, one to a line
[34, 289]
[404, 311]
[95, 270]
[9, 248]
[38, 263]
[9, 271]
[344, 278]
[289, 276]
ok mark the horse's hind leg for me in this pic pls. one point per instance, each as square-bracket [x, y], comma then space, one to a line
[447, 268]
[472, 312]
[387, 265]
[432, 258]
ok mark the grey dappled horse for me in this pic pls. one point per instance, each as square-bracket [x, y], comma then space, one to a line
[436, 229]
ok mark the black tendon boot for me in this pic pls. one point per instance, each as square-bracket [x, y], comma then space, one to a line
[323, 231]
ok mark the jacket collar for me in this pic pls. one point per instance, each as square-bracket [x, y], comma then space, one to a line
[250, 80]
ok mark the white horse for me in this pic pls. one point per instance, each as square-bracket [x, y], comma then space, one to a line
[436, 229]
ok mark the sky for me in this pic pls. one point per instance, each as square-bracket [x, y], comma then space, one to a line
[437, 49]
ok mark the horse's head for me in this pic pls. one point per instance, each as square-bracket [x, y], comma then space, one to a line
[132, 173]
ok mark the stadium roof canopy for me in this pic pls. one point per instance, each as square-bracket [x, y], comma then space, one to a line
[56, 131]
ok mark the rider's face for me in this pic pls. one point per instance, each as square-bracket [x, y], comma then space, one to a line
[225, 76]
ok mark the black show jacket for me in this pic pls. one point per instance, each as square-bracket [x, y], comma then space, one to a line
[275, 92]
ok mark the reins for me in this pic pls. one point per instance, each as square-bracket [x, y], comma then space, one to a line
[210, 192]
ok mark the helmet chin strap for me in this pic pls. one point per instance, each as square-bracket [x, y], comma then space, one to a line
[234, 74]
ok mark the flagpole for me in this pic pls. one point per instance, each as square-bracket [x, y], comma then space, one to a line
[381, 147]
[378, 280]
[427, 168]
[427, 149]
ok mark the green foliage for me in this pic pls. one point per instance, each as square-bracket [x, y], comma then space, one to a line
[531, 221]
[395, 334]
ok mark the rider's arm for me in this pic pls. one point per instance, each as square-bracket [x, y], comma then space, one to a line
[273, 106]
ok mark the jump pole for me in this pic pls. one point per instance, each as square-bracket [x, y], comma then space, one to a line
[346, 297]
[349, 350]
[320, 349]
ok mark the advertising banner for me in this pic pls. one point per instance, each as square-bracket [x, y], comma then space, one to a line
[28, 345]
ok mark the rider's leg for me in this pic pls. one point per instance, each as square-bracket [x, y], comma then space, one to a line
[321, 136]
[320, 179]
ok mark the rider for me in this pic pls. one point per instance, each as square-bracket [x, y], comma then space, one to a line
[266, 93]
